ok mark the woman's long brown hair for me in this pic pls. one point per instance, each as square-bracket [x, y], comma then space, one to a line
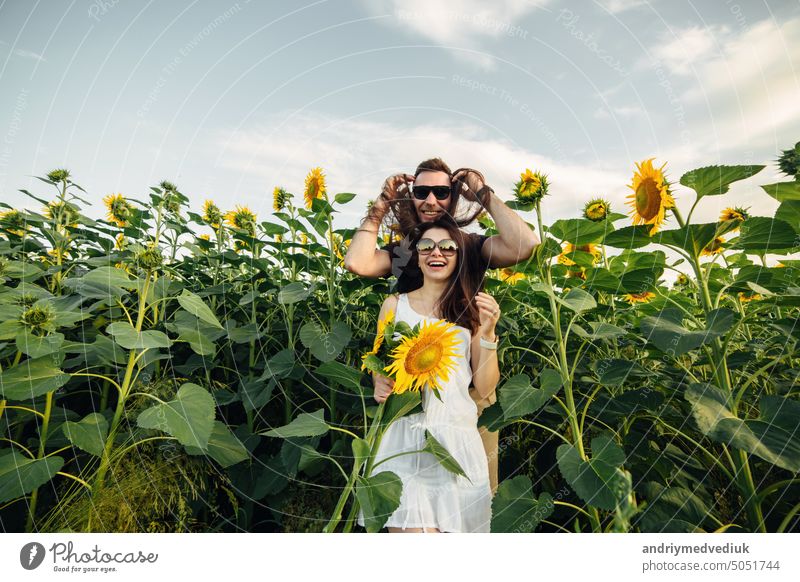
[456, 304]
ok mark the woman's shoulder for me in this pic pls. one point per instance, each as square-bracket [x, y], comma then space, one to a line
[390, 302]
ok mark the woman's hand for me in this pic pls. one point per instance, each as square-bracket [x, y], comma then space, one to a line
[383, 387]
[489, 312]
[394, 188]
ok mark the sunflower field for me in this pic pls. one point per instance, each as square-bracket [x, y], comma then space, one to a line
[171, 370]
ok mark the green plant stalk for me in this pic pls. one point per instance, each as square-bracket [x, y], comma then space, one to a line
[331, 311]
[48, 409]
[126, 384]
[742, 474]
[373, 438]
[564, 368]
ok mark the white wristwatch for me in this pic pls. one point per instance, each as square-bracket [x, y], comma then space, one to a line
[487, 344]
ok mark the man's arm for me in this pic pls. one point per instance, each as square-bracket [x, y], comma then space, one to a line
[514, 241]
[362, 257]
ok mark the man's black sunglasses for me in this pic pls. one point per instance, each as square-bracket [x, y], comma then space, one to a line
[422, 192]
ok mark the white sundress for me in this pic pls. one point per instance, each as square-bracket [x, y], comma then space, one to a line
[432, 496]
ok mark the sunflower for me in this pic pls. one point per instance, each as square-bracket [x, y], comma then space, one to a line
[736, 213]
[789, 162]
[242, 218]
[378, 341]
[531, 186]
[279, 198]
[681, 280]
[426, 358]
[651, 195]
[315, 186]
[745, 297]
[596, 210]
[120, 242]
[643, 297]
[485, 220]
[303, 239]
[205, 237]
[58, 254]
[278, 238]
[60, 175]
[510, 276]
[571, 248]
[212, 214]
[39, 319]
[713, 248]
[119, 209]
[13, 221]
[63, 212]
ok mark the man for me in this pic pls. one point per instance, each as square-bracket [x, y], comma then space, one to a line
[437, 192]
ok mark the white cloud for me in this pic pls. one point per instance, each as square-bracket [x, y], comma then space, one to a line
[752, 89]
[623, 111]
[681, 50]
[618, 6]
[357, 155]
[460, 24]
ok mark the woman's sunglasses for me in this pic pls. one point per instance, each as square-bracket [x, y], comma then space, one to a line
[447, 247]
[422, 192]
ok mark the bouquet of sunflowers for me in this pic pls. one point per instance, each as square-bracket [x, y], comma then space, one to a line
[414, 357]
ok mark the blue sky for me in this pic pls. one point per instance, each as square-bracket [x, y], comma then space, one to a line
[229, 99]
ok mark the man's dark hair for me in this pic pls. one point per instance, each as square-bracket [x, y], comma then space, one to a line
[461, 211]
[433, 165]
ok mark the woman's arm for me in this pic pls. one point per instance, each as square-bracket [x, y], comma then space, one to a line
[383, 385]
[485, 371]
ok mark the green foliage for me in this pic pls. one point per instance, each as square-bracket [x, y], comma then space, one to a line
[231, 367]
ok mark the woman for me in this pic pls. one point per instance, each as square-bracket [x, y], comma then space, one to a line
[434, 499]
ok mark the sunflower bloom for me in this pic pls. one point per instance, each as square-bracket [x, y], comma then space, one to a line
[59, 175]
[713, 248]
[596, 210]
[58, 254]
[789, 161]
[681, 280]
[426, 358]
[745, 297]
[212, 215]
[13, 221]
[315, 186]
[242, 218]
[530, 187]
[63, 212]
[511, 277]
[378, 341]
[737, 214]
[651, 196]
[643, 297]
[592, 249]
[279, 198]
[119, 209]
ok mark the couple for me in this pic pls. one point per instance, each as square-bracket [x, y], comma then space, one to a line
[440, 271]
